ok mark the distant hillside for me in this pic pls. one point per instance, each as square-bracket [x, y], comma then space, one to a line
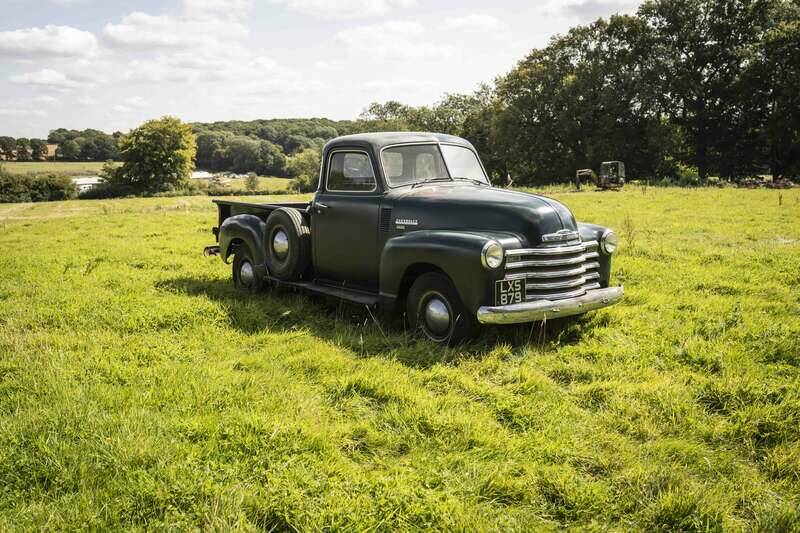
[263, 145]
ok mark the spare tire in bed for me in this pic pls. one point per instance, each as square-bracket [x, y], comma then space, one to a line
[288, 244]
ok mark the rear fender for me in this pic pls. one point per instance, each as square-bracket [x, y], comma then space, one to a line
[247, 229]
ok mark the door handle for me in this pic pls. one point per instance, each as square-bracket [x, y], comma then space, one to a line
[320, 206]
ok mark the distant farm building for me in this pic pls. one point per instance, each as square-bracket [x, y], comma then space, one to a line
[202, 175]
[86, 183]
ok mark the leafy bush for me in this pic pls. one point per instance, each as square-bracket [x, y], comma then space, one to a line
[42, 188]
[219, 190]
[304, 168]
[158, 156]
[304, 183]
[686, 172]
[107, 190]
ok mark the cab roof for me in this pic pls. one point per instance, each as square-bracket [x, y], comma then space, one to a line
[376, 141]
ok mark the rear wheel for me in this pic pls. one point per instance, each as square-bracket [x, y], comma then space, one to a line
[245, 276]
[288, 244]
[434, 309]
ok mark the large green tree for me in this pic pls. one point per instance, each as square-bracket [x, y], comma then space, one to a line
[584, 98]
[701, 50]
[88, 145]
[7, 146]
[210, 150]
[23, 145]
[158, 155]
[304, 168]
[38, 149]
[776, 80]
[70, 150]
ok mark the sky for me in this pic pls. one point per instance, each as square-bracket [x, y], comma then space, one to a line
[111, 65]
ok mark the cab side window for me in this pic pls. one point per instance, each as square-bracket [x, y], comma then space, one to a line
[350, 172]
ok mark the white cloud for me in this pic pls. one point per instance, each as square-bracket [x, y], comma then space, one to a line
[51, 40]
[412, 90]
[345, 9]
[47, 78]
[216, 8]
[139, 30]
[393, 40]
[23, 113]
[206, 23]
[473, 22]
[588, 10]
[45, 99]
[86, 100]
[129, 105]
[137, 102]
[230, 65]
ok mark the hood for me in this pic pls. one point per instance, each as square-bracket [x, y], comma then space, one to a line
[463, 206]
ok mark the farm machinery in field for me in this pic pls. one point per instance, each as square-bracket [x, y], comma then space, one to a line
[612, 176]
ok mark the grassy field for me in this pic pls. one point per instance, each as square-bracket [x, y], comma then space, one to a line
[139, 390]
[61, 168]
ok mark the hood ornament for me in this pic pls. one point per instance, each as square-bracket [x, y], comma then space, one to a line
[561, 236]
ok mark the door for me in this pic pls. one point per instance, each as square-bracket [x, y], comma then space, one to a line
[345, 222]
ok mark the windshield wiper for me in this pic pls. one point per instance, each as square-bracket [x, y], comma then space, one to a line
[473, 180]
[429, 180]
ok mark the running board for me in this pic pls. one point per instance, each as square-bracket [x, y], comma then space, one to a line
[341, 293]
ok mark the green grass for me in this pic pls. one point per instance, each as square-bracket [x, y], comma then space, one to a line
[62, 168]
[139, 390]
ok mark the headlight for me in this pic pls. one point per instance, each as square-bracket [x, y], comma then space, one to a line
[609, 242]
[492, 255]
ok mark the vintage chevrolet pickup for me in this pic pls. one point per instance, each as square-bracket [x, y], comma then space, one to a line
[410, 221]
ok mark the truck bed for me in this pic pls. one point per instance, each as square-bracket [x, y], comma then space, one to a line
[229, 208]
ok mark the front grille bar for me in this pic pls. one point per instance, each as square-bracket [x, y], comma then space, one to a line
[547, 262]
[568, 284]
[549, 273]
[552, 250]
[555, 271]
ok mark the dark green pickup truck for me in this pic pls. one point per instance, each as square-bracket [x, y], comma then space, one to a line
[409, 221]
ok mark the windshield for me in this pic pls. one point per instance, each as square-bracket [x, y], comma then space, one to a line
[463, 163]
[415, 163]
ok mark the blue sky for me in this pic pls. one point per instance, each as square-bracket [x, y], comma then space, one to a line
[111, 65]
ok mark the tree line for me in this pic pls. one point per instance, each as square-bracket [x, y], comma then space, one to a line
[262, 146]
[22, 149]
[696, 87]
[681, 89]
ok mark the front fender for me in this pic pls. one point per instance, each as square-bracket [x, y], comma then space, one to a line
[593, 232]
[248, 229]
[456, 253]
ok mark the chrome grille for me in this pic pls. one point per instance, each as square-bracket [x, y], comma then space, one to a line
[556, 271]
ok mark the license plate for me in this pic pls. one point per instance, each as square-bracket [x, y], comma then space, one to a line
[509, 291]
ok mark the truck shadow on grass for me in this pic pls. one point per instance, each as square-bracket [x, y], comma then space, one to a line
[362, 330]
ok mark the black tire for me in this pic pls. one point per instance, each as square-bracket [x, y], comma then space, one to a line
[295, 261]
[244, 271]
[434, 286]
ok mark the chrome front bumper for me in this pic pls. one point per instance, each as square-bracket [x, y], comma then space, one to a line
[546, 309]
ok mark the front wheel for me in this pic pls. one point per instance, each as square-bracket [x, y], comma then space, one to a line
[245, 276]
[434, 308]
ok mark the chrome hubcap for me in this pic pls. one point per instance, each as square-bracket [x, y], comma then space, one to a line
[280, 244]
[437, 316]
[246, 274]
